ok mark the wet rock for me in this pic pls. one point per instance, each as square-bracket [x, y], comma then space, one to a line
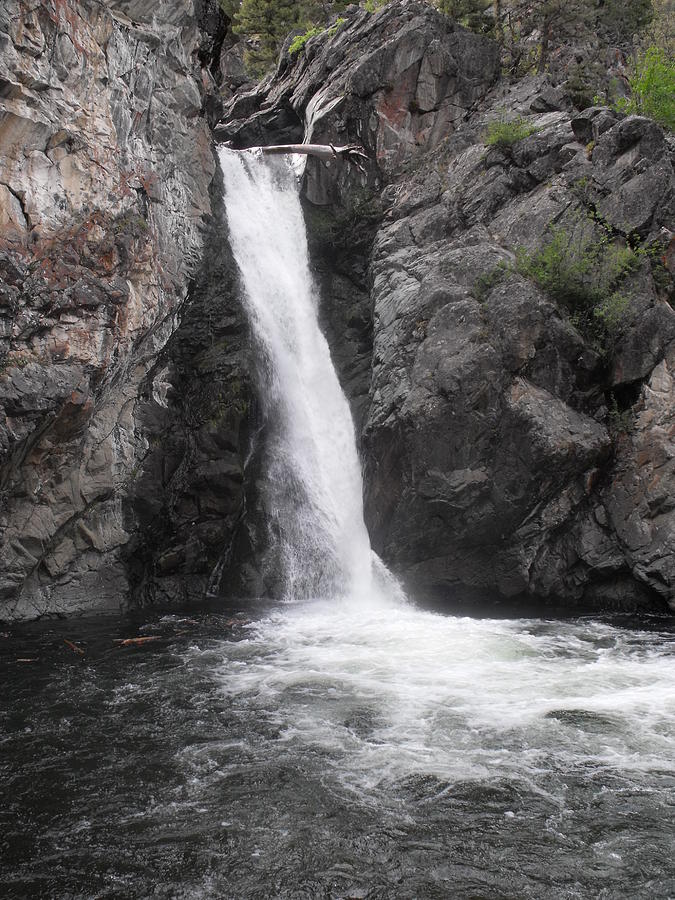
[199, 408]
[639, 501]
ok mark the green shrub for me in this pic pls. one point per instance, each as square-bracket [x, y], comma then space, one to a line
[267, 22]
[610, 313]
[619, 421]
[16, 359]
[583, 273]
[587, 80]
[372, 6]
[652, 87]
[485, 282]
[502, 133]
[299, 42]
[229, 7]
[578, 270]
[470, 13]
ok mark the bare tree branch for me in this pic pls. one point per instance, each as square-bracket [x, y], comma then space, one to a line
[352, 153]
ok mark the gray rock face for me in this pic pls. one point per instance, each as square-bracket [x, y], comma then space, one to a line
[489, 458]
[105, 165]
[504, 454]
[491, 462]
[397, 82]
[198, 409]
[640, 501]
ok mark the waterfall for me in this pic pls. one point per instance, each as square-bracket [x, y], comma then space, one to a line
[313, 492]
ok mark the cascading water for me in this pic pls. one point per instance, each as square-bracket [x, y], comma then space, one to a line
[320, 750]
[314, 488]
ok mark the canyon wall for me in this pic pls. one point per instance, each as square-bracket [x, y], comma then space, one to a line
[106, 161]
[506, 455]
[508, 451]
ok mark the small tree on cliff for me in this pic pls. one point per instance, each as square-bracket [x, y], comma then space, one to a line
[558, 20]
[660, 31]
[470, 13]
[550, 24]
[265, 24]
[619, 21]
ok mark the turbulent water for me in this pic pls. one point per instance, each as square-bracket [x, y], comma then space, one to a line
[346, 745]
[313, 486]
[312, 753]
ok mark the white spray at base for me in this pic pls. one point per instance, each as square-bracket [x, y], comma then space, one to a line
[413, 717]
[313, 479]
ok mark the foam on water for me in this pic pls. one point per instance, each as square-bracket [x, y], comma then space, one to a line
[415, 693]
[396, 715]
[321, 752]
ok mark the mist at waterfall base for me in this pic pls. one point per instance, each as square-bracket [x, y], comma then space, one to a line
[339, 742]
[312, 754]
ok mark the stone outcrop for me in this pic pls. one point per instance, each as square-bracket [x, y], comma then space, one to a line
[105, 165]
[192, 503]
[505, 453]
[489, 459]
[397, 82]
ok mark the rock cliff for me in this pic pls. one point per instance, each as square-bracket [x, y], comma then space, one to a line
[106, 160]
[493, 460]
[506, 453]
[505, 450]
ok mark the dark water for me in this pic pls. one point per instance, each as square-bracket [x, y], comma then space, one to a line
[319, 754]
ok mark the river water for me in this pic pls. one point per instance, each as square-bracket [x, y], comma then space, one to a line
[319, 753]
[341, 743]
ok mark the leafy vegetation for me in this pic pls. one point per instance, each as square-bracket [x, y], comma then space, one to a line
[531, 34]
[130, 222]
[503, 133]
[16, 359]
[577, 271]
[584, 267]
[619, 421]
[473, 14]
[621, 21]
[485, 282]
[265, 24]
[660, 32]
[652, 86]
[299, 42]
[584, 272]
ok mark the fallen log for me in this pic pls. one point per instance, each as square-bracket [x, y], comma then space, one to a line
[138, 641]
[353, 153]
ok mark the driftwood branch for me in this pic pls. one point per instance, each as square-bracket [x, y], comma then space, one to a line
[353, 153]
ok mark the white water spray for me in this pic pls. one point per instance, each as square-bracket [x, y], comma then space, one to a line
[314, 491]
